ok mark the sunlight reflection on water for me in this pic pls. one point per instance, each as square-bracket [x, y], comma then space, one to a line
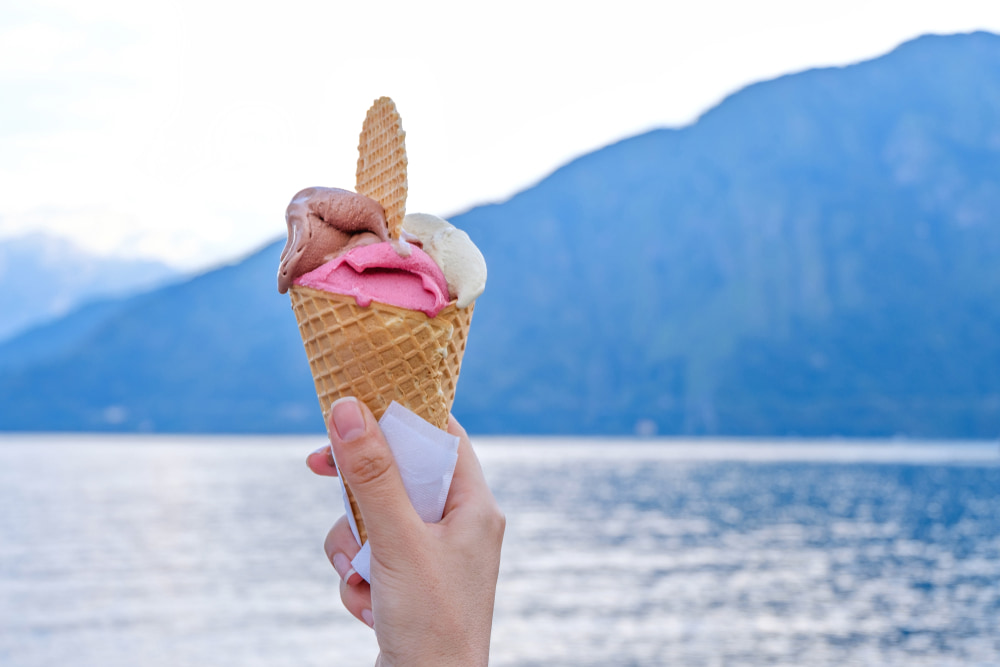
[198, 551]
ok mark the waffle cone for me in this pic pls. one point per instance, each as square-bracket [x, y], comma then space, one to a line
[381, 172]
[380, 354]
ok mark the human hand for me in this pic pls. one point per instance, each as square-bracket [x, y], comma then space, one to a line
[433, 585]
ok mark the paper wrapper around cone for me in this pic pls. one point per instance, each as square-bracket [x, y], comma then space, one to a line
[381, 354]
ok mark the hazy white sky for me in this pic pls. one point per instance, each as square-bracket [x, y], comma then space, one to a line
[181, 129]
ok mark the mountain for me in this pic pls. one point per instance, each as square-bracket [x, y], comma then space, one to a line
[63, 276]
[215, 353]
[815, 256]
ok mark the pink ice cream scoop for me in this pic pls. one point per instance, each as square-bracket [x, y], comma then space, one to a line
[377, 272]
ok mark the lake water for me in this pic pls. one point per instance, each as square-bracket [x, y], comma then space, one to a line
[208, 551]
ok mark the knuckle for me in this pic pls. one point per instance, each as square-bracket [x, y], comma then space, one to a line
[497, 522]
[492, 522]
[330, 541]
[367, 467]
[484, 539]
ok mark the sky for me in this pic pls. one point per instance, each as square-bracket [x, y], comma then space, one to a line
[179, 131]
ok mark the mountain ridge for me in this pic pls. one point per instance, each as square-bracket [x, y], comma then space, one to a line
[813, 256]
[64, 276]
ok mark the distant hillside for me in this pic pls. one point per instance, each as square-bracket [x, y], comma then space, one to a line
[815, 256]
[216, 353]
[44, 277]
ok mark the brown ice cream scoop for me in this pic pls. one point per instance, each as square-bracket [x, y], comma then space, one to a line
[324, 223]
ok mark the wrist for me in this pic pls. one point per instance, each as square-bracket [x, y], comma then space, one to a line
[473, 659]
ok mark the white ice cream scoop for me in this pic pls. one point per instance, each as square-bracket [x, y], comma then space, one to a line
[464, 267]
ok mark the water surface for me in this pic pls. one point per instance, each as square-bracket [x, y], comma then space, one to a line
[208, 551]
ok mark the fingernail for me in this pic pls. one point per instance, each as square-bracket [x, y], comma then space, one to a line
[366, 616]
[342, 564]
[347, 418]
[320, 450]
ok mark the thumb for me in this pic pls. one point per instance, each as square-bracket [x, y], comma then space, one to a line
[367, 466]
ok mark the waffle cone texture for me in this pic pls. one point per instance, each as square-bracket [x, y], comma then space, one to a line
[382, 353]
[381, 172]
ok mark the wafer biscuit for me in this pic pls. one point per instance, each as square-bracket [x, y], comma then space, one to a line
[381, 173]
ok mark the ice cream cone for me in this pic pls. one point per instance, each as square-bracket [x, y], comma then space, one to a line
[382, 353]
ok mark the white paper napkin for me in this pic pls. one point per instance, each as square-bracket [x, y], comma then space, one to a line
[425, 456]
